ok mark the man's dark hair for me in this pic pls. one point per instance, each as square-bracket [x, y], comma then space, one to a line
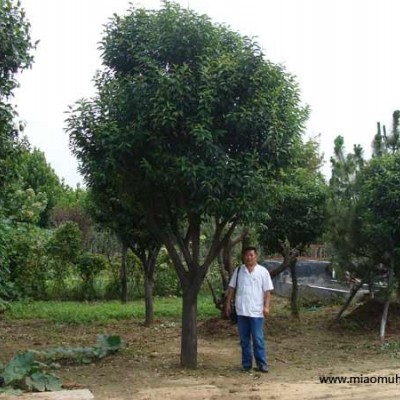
[249, 248]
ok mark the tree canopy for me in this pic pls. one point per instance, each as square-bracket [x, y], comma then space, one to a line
[190, 122]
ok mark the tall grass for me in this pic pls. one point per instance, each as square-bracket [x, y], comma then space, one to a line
[89, 312]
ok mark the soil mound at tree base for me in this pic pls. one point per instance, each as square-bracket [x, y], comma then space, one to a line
[368, 316]
[217, 328]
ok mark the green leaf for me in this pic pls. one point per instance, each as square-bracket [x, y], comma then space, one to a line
[109, 343]
[41, 382]
[10, 391]
[19, 367]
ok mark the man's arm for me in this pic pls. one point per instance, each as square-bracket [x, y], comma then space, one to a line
[228, 300]
[267, 301]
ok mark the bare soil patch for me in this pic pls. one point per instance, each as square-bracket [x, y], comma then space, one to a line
[148, 367]
[369, 314]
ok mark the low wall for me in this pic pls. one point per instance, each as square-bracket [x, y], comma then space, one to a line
[315, 279]
[323, 292]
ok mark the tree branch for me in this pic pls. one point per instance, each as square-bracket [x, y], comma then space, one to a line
[176, 260]
[217, 243]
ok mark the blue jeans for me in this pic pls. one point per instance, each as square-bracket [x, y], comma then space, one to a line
[252, 329]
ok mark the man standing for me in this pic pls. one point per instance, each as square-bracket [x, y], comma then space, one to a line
[253, 296]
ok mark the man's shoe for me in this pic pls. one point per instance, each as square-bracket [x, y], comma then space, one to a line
[246, 369]
[263, 368]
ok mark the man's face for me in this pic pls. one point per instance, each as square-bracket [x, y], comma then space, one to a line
[250, 258]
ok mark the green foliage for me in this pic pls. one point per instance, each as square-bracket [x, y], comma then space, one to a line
[364, 205]
[36, 174]
[4, 305]
[15, 45]
[24, 372]
[83, 313]
[352, 250]
[166, 282]
[40, 382]
[392, 348]
[345, 168]
[73, 206]
[22, 243]
[64, 249]
[15, 50]
[27, 260]
[24, 205]
[104, 346]
[387, 143]
[189, 123]
[27, 370]
[89, 266]
[379, 208]
[297, 211]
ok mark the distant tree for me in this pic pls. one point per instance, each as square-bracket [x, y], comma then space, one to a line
[72, 206]
[89, 266]
[190, 121]
[64, 249]
[363, 207]
[130, 226]
[22, 243]
[379, 213]
[343, 226]
[384, 143]
[36, 173]
[344, 169]
[297, 212]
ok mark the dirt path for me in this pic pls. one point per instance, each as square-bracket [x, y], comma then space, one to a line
[264, 389]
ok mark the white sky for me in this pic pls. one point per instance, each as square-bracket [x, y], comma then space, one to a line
[344, 53]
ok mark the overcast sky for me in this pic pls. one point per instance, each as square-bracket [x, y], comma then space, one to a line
[344, 53]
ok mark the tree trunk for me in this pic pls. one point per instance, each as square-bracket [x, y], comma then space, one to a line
[189, 328]
[124, 274]
[218, 302]
[227, 259]
[148, 299]
[224, 280]
[295, 289]
[352, 293]
[191, 274]
[387, 302]
[245, 240]
[148, 259]
[384, 320]
[278, 270]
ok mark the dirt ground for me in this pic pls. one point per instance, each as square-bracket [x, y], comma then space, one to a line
[147, 368]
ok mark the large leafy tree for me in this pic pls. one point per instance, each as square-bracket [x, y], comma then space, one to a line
[15, 55]
[190, 121]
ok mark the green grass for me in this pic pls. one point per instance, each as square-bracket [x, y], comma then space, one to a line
[85, 312]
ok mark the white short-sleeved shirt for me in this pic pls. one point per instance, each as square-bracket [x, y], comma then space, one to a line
[249, 298]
